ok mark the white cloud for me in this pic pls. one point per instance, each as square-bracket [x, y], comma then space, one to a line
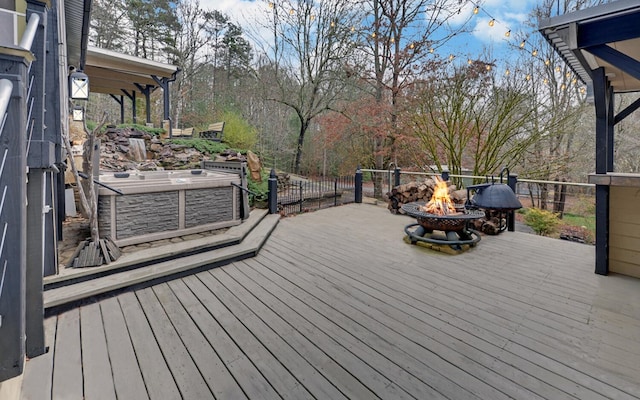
[509, 17]
[461, 17]
[490, 34]
[240, 11]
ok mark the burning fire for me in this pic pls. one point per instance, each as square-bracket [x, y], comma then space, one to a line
[440, 203]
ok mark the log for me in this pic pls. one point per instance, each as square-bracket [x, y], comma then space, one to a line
[418, 192]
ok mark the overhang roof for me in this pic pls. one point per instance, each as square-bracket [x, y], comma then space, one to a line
[75, 11]
[111, 72]
[606, 36]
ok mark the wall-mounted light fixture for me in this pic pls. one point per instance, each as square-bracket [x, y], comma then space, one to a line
[78, 86]
[77, 113]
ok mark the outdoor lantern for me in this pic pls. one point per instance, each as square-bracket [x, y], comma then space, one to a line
[78, 86]
[77, 114]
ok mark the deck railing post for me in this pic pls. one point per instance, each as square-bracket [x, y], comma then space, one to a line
[512, 181]
[396, 177]
[358, 184]
[445, 175]
[301, 197]
[272, 198]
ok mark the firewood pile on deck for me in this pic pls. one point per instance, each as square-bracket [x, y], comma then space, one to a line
[419, 192]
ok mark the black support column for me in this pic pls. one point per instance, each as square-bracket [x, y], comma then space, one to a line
[120, 101]
[13, 215]
[164, 84]
[603, 98]
[132, 97]
[146, 91]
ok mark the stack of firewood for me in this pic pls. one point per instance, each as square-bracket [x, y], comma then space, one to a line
[419, 192]
[493, 222]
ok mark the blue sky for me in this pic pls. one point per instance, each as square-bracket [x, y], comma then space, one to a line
[507, 15]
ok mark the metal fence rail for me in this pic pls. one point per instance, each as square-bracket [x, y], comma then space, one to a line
[300, 196]
[573, 202]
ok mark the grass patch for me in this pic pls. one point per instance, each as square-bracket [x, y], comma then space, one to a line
[588, 222]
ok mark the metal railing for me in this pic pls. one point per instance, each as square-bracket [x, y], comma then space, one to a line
[573, 202]
[298, 196]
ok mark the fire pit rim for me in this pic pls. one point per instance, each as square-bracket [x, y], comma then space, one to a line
[447, 222]
[413, 210]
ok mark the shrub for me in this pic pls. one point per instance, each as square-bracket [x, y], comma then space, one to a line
[202, 145]
[142, 128]
[237, 131]
[260, 189]
[543, 222]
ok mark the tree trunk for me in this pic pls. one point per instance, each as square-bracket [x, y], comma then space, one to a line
[559, 198]
[303, 130]
[544, 196]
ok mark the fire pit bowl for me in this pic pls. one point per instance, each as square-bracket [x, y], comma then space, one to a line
[457, 235]
[450, 222]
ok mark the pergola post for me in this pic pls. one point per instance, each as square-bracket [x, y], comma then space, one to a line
[164, 84]
[120, 101]
[132, 97]
[146, 91]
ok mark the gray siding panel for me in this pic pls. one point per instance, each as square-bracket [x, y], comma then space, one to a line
[141, 214]
[205, 206]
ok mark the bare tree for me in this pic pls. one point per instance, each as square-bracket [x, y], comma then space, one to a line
[402, 38]
[192, 38]
[559, 110]
[464, 117]
[311, 43]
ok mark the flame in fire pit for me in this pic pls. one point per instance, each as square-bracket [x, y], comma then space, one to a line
[440, 203]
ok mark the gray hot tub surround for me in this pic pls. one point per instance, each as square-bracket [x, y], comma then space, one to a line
[164, 204]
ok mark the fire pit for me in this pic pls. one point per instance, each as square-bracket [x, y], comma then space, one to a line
[440, 214]
[454, 226]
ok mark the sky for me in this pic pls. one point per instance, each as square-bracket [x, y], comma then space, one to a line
[507, 15]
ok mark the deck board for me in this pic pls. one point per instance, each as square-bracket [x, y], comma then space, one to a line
[225, 331]
[125, 369]
[183, 368]
[203, 352]
[40, 369]
[153, 367]
[336, 305]
[246, 326]
[342, 378]
[337, 345]
[67, 371]
[96, 369]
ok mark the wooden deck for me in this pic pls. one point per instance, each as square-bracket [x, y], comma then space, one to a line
[337, 306]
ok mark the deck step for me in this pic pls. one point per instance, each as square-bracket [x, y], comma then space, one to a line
[157, 271]
[170, 251]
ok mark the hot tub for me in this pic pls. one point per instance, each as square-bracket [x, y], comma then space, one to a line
[158, 205]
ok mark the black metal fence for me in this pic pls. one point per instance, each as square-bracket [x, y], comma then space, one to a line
[300, 196]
